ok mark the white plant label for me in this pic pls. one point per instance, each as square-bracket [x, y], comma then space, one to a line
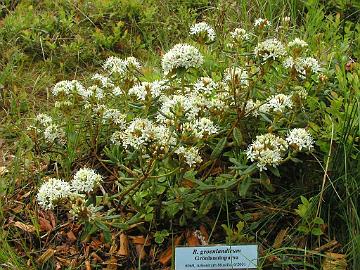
[216, 257]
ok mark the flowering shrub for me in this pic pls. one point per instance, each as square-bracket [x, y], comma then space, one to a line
[165, 142]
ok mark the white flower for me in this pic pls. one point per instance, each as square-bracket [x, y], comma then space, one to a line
[267, 150]
[79, 209]
[309, 64]
[270, 48]
[205, 85]
[132, 62]
[154, 89]
[276, 103]
[114, 116]
[142, 133]
[181, 56]
[52, 191]
[203, 28]
[302, 65]
[217, 102]
[289, 62]
[300, 139]
[67, 87]
[96, 91]
[191, 155]
[85, 180]
[201, 127]
[297, 42]
[301, 92]
[253, 108]
[105, 81]
[61, 104]
[52, 132]
[261, 23]
[117, 91]
[178, 106]
[286, 19]
[115, 65]
[280, 102]
[44, 119]
[237, 75]
[239, 34]
[120, 66]
[85, 93]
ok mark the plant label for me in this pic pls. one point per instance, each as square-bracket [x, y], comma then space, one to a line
[216, 257]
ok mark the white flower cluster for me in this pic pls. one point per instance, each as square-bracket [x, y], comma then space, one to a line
[178, 106]
[117, 91]
[114, 116]
[142, 133]
[309, 63]
[85, 180]
[276, 103]
[204, 30]
[300, 92]
[181, 56]
[121, 66]
[237, 75]
[205, 85]
[105, 81]
[62, 104]
[286, 19]
[201, 127]
[52, 191]
[218, 102]
[80, 209]
[153, 89]
[279, 103]
[96, 92]
[68, 87]
[270, 49]
[303, 65]
[267, 150]
[51, 131]
[300, 139]
[239, 35]
[262, 23]
[44, 119]
[297, 42]
[191, 155]
[252, 108]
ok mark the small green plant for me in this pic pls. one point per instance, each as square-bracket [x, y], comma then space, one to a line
[236, 235]
[310, 224]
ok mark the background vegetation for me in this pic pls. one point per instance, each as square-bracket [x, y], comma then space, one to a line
[42, 42]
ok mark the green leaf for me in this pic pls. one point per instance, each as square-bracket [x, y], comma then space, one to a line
[105, 229]
[244, 187]
[240, 226]
[318, 221]
[249, 170]
[304, 200]
[206, 205]
[275, 171]
[160, 236]
[237, 136]
[316, 231]
[303, 229]
[218, 148]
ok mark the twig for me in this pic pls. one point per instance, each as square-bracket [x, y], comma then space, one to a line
[42, 49]
[326, 169]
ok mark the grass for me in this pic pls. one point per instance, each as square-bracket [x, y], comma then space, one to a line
[44, 42]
